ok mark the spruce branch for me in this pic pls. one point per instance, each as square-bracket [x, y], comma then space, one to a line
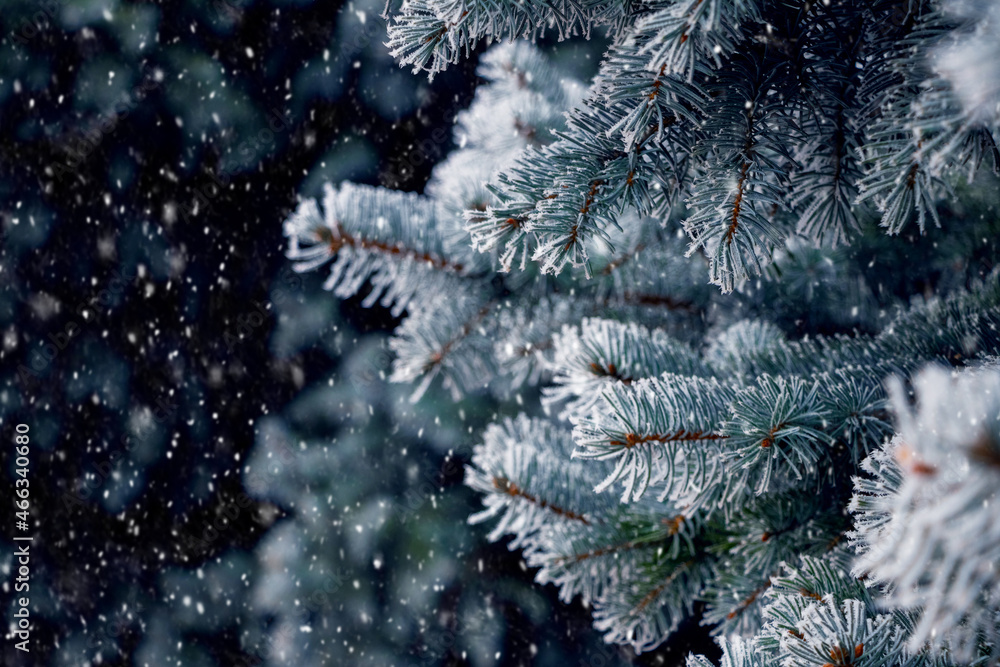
[388, 240]
[651, 606]
[432, 34]
[776, 424]
[591, 561]
[731, 216]
[516, 467]
[677, 38]
[926, 531]
[602, 353]
[736, 652]
[446, 336]
[660, 429]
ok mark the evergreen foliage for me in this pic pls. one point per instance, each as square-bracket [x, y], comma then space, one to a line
[700, 443]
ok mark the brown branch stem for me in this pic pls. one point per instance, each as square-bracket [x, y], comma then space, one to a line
[505, 485]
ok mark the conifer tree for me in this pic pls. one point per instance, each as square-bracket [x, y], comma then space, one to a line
[695, 258]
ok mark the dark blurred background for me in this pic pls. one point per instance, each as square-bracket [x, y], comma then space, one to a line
[219, 473]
